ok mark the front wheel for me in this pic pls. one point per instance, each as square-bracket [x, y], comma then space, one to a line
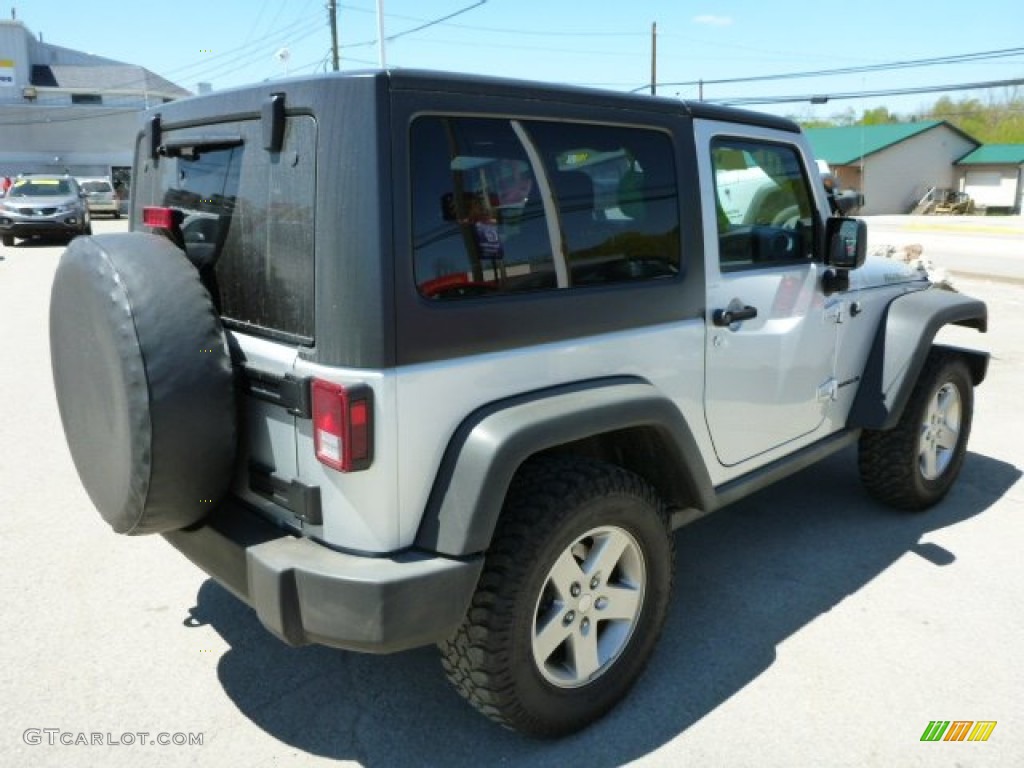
[572, 599]
[913, 465]
[8, 241]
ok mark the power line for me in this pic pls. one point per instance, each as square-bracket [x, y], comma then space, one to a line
[511, 46]
[299, 26]
[819, 98]
[907, 64]
[435, 22]
[419, 28]
[503, 30]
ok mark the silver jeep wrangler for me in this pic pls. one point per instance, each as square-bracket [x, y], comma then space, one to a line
[403, 358]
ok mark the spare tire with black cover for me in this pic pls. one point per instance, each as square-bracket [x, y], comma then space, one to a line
[144, 381]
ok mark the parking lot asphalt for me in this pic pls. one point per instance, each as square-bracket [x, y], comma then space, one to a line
[810, 626]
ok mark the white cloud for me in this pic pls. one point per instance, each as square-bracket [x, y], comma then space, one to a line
[713, 21]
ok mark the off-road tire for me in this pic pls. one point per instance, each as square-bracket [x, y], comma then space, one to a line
[551, 504]
[143, 380]
[913, 465]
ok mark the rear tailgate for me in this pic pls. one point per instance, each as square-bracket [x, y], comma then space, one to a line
[271, 402]
[246, 219]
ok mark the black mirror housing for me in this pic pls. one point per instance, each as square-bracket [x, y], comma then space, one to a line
[848, 200]
[847, 241]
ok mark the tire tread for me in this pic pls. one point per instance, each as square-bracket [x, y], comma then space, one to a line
[475, 658]
[887, 459]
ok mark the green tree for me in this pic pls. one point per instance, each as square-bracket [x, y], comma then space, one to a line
[878, 116]
[999, 120]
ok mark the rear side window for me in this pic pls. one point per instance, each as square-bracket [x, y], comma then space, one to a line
[507, 206]
[247, 220]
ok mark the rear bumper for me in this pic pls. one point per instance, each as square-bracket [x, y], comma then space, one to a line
[304, 592]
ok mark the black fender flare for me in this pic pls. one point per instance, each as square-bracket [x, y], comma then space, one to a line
[493, 442]
[904, 338]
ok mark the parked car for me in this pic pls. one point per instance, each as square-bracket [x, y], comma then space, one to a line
[43, 205]
[462, 390]
[100, 196]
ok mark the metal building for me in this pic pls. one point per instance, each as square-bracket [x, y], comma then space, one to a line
[67, 111]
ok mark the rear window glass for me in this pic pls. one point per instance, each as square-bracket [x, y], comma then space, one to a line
[506, 206]
[93, 187]
[41, 188]
[249, 214]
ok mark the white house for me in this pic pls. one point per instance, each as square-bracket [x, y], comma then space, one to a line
[893, 164]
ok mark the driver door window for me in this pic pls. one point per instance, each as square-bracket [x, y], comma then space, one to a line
[763, 204]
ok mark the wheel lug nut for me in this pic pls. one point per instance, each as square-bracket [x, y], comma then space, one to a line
[595, 582]
[569, 617]
[585, 625]
[601, 603]
[575, 589]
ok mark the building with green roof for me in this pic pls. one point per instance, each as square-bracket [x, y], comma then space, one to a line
[993, 175]
[893, 164]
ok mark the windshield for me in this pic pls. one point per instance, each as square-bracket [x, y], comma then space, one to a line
[91, 187]
[40, 188]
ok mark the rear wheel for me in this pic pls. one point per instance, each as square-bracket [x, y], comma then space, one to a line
[8, 241]
[572, 599]
[913, 465]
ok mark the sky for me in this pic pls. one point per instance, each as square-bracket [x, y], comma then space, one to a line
[602, 44]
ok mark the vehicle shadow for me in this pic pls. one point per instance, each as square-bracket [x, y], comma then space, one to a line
[747, 578]
[39, 241]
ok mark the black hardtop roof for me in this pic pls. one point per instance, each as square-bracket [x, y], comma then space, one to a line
[456, 82]
[416, 79]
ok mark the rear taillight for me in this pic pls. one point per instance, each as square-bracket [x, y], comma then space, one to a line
[158, 217]
[343, 425]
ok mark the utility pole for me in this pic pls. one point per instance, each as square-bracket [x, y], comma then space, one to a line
[332, 15]
[654, 58]
[382, 59]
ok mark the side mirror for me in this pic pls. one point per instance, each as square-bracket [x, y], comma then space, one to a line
[847, 241]
[848, 200]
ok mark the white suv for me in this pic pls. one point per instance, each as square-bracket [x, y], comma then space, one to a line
[100, 196]
[405, 358]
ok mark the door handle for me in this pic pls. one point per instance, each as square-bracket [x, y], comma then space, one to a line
[726, 317]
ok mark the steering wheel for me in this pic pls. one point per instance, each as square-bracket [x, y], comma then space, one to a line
[788, 217]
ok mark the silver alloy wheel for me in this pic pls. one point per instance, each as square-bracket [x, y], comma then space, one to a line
[588, 607]
[940, 431]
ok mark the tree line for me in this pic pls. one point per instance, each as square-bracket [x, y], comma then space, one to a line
[992, 122]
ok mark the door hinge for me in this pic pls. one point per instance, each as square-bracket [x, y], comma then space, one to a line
[828, 391]
[294, 495]
[834, 313]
